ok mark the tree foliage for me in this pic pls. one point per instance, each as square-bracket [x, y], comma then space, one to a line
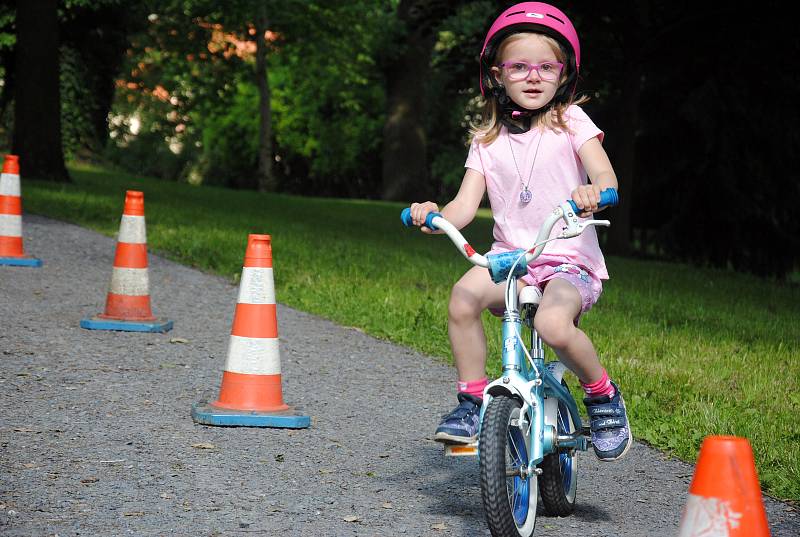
[695, 107]
[714, 145]
[190, 79]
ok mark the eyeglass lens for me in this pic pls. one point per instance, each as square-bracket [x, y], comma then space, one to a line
[546, 70]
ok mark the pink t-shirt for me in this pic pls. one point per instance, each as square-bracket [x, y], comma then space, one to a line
[557, 172]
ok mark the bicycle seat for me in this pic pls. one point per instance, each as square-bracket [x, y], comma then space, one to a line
[530, 294]
[529, 299]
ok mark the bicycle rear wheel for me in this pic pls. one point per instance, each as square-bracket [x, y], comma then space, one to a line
[559, 478]
[508, 487]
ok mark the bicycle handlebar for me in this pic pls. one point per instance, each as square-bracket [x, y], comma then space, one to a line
[608, 198]
[499, 265]
[405, 216]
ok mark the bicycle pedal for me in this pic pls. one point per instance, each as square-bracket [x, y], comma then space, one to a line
[461, 450]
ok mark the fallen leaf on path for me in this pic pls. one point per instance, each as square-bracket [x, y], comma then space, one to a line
[178, 340]
[90, 479]
[387, 505]
[204, 446]
[439, 526]
[352, 518]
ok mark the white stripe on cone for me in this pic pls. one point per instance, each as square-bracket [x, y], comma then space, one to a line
[132, 230]
[256, 286]
[708, 517]
[129, 281]
[10, 225]
[253, 356]
[9, 185]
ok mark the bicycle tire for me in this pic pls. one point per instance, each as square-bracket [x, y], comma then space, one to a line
[509, 503]
[558, 480]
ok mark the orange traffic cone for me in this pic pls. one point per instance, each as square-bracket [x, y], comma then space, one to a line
[251, 393]
[11, 252]
[128, 299]
[725, 497]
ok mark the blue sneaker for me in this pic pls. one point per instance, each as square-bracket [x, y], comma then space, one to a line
[611, 434]
[461, 425]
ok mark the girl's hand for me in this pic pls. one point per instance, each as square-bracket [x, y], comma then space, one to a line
[419, 212]
[586, 197]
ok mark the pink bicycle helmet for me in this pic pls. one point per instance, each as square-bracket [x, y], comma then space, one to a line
[531, 17]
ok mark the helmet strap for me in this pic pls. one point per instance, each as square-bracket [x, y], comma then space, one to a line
[519, 126]
[517, 120]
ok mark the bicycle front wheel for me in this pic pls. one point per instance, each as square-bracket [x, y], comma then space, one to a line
[508, 486]
[559, 478]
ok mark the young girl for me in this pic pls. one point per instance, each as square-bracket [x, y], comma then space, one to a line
[533, 150]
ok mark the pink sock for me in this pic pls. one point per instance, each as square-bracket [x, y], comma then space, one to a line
[599, 388]
[473, 387]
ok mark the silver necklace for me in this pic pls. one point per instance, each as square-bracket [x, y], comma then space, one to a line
[525, 196]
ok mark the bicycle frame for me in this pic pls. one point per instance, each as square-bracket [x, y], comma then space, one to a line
[535, 384]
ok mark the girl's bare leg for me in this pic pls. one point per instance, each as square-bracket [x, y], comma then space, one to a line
[472, 294]
[560, 304]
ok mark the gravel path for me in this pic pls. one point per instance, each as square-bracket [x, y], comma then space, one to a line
[96, 436]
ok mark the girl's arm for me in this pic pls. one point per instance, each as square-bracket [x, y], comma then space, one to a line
[601, 174]
[462, 209]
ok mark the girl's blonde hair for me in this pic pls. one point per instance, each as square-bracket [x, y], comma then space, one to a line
[488, 129]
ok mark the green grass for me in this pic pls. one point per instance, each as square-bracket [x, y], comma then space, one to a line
[697, 351]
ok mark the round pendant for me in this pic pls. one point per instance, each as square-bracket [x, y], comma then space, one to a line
[525, 196]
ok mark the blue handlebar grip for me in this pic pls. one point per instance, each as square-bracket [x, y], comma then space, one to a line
[608, 198]
[405, 216]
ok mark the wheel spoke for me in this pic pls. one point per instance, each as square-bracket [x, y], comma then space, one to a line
[514, 500]
[516, 453]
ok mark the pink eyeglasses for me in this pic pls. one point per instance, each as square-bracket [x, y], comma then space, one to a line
[519, 70]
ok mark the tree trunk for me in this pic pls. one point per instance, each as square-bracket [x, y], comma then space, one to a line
[638, 39]
[619, 234]
[405, 164]
[37, 101]
[266, 176]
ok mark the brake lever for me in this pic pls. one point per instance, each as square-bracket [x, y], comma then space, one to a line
[573, 229]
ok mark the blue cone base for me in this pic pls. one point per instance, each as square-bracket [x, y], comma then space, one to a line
[96, 323]
[21, 261]
[208, 414]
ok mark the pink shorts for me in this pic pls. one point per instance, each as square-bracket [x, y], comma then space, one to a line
[588, 285]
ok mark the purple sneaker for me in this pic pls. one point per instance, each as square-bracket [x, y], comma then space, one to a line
[611, 434]
[461, 425]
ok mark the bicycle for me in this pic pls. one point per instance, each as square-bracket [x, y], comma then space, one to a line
[530, 428]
